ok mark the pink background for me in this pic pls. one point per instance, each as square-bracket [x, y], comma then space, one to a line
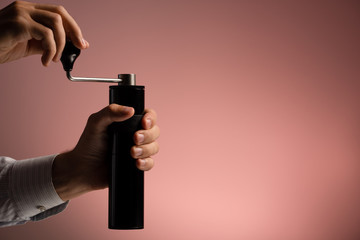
[258, 104]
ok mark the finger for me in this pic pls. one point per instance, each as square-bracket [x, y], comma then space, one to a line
[147, 136]
[149, 119]
[46, 37]
[113, 113]
[53, 21]
[72, 29]
[145, 164]
[144, 151]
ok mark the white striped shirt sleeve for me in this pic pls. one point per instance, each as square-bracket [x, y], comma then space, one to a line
[26, 190]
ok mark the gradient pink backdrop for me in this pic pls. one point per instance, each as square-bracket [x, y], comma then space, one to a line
[258, 104]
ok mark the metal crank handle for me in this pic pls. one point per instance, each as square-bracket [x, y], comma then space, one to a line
[91, 79]
[71, 53]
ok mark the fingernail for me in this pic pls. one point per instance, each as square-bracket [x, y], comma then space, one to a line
[138, 152]
[84, 43]
[142, 162]
[140, 137]
[127, 110]
[148, 123]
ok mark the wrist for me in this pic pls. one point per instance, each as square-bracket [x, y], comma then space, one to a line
[66, 178]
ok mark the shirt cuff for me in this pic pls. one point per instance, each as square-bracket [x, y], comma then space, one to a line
[31, 186]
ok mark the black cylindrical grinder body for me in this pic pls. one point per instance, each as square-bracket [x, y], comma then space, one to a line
[126, 183]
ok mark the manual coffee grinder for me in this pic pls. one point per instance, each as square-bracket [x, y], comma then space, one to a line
[126, 182]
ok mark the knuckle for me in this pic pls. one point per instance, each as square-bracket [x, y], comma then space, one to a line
[49, 43]
[16, 9]
[61, 9]
[57, 20]
[47, 33]
[19, 20]
[92, 120]
[16, 4]
[112, 107]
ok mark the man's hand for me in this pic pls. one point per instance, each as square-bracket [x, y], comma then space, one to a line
[85, 168]
[32, 28]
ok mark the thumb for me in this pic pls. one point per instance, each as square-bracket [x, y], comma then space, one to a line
[113, 113]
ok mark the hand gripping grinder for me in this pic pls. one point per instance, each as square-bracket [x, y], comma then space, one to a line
[126, 182]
